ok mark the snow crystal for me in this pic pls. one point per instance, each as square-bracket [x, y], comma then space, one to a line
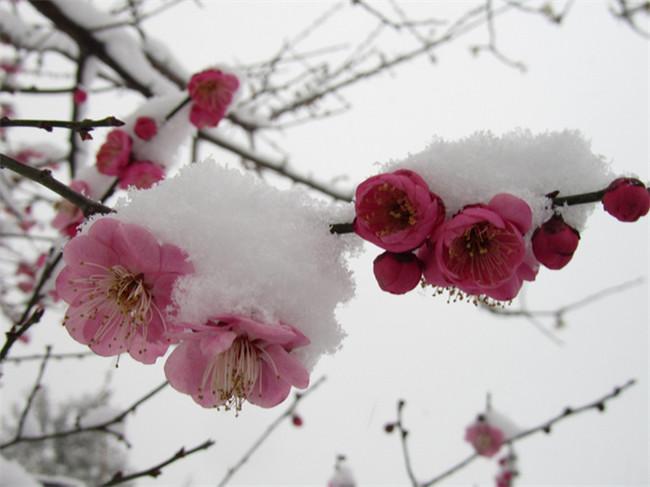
[475, 168]
[256, 250]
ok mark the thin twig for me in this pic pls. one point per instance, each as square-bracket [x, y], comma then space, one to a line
[32, 394]
[267, 432]
[100, 427]
[53, 356]
[156, 470]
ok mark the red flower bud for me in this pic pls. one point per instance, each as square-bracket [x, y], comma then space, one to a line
[555, 242]
[79, 96]
[397, 273]
[626, 199]
[145, 128]
[296, 421]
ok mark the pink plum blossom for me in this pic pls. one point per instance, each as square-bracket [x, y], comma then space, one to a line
[118, 281]
[555, 242]
[232, 359]
[481, 250]
[114, 154]
[397, 273]
[145, 128]
[69, 216]
[485, 438]
[626, 199]
[211, 91]
[79, 96]
[396, 211]
[141, 174]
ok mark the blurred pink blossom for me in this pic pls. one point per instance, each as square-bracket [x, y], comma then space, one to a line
[232, 359]
[79, 96]
[114, 154]
[145, 128]
[211, 92]
[141, 174]
[118, 282]
[486, 439]
[69, 216]
[396, 211]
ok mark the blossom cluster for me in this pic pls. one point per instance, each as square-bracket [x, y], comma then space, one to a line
[118, 281]
[486, 249]
[210, 92]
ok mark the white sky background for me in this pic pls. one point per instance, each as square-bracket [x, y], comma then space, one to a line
[589, 74]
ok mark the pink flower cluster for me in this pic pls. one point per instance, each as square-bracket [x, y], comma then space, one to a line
[115, 157]
[118, 282]
[211, 92]
[480, 250]
[484, 437]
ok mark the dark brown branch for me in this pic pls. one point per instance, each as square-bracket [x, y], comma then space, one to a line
[45, 178]
[83, 126]
[100, 427]
[156, 470]
[341, 228]
[267, 432]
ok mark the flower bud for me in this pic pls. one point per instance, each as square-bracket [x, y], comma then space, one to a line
[397, 273]
[555, 242]
[626, 199]
[145, 128]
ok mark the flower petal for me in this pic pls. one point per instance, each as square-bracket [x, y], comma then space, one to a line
[514, 210]
[138, 248]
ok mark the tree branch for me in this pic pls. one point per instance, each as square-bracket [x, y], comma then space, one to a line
[156, 470]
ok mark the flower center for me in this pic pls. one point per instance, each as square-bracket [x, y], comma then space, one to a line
[483, 442]
[233, 373]
[388, 210]
[130, 293]
[484, 254]
[119, 300]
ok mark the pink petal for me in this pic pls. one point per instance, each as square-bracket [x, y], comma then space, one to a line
[269, 390]
[290, 369]
[271, 334]
[173, 259]
[139, 250]
[217, 342]
[184, 367]
[514, 210]
[146, 351]
[84, 249]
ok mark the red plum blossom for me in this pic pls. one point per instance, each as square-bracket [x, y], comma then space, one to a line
[397, 273]
[626, 199]
[481, 250]
[555, 242]
[396, 211]
[145, 128]
[141, 174]
[114, 154]
[233, 358]
[485, 438]
[118, 280]
[211, 91]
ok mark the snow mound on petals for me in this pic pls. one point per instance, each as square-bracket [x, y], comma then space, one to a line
[256, 250]
[475, 168]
